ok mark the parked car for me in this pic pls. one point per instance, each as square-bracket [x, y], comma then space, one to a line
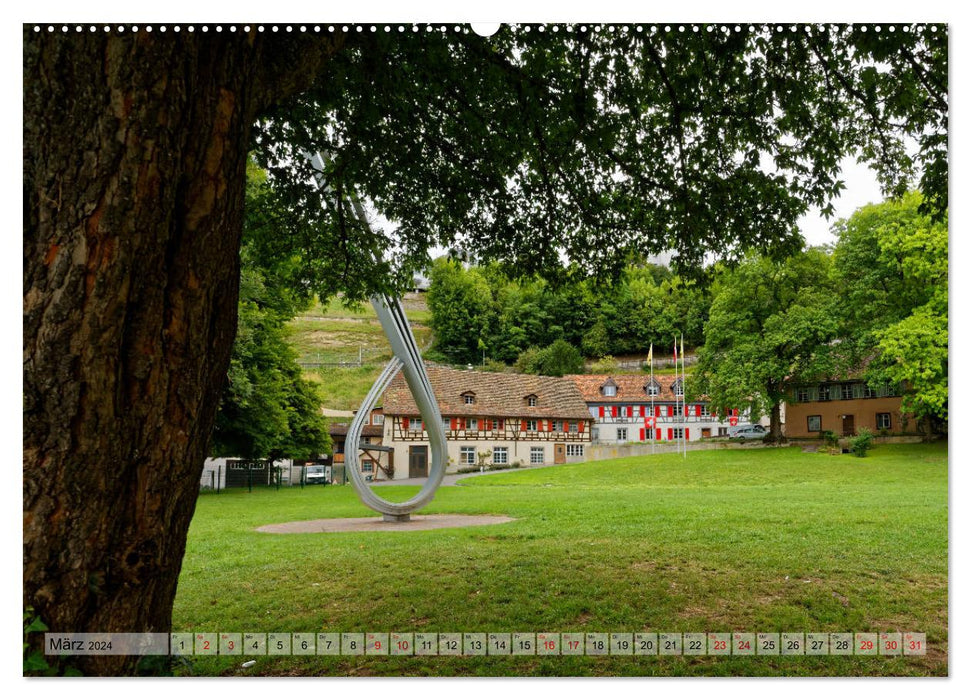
[316, 475]
[747, 432]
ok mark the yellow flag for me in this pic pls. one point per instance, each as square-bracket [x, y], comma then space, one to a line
[650, 355]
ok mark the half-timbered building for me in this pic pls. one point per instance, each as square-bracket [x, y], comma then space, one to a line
[490, 418]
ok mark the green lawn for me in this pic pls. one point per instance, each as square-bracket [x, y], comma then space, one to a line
[771, 540]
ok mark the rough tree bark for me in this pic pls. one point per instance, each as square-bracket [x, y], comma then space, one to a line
[134, 172]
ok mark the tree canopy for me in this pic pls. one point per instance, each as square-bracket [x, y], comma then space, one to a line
[891, 264]
[768, 322]
[599, 143]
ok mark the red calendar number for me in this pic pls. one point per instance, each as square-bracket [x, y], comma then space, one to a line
[402, 644]
[205, 645]
[721, 645]
[890, 644]
[914, 645]
[549, 645]
[866, 645]
[574, 643]
[744, 645]
[377, 644]
[231, 645]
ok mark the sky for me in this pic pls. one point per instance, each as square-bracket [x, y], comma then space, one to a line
[861, 188]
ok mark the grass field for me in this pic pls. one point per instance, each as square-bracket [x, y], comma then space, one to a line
[772, 540]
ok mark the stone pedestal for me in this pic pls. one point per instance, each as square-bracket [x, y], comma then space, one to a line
[396, 518]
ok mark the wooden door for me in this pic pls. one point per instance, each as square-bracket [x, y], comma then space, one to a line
[417, 461]
[559, 453]
[848, 428]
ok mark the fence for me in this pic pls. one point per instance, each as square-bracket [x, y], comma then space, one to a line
[342, 359]
[220, 475]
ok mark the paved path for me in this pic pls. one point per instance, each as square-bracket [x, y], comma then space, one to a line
[372, 524]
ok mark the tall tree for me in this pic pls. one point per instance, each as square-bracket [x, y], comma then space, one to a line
[891, 267]
[767, 322]
[525, 147]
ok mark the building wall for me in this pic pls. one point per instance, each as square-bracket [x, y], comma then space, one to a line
[517, 450]
[607, 427]
[864, 412]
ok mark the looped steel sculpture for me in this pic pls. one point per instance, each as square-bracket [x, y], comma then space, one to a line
[407, 360]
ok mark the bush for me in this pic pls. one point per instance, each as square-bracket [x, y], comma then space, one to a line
[831, 440]
[554, 361]
[605, 365]
[491, 365]
[862, 442]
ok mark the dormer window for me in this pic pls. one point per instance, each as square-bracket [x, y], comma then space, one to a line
[609, 388]
[678, 388]
[532, 400]
[468, 398]
[652, 388]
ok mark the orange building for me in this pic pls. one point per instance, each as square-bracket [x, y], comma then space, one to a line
[844, 407]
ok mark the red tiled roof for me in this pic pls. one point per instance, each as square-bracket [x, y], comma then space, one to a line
[496, 394]
[631, 388]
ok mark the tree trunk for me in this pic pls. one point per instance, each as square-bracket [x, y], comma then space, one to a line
[775, 423]
[134, 172]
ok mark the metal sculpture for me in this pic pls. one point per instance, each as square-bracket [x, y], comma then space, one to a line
[406, 359]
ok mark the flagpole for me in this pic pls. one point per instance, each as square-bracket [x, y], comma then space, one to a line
[677, 410]
[684, 395]
[650, 358]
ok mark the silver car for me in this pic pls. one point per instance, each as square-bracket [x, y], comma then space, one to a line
[747, 432]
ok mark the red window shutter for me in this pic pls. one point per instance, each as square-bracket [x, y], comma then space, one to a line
[455, 424]
[613, 411]
[686, 409]
[539, 424]
[404, 423]
[642, 434]
[657, 411]
[670, 433]
[670, 410]
[524, 425]
[462, 423]
[601, 411]
[502, 424]
[658, 434]
[642, 411]
[698, 409]
[580, 426]
[686, 435]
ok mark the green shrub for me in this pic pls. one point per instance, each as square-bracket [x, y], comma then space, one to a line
[605, 365]
[862, 442]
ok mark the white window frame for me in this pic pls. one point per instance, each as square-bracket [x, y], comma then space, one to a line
[367, 466]
[610, 391]
[531, 401]
[574, 450]
[535, 452]
[472, 424]
[500, 455]
[574, 426]
[531, 424]
[622, 434]
[889, 425]
[705, 411]
[469, 399]
[467, 455]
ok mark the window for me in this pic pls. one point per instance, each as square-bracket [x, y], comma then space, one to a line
[677, 388]
[574, 450]
[846, 391]
[652, 389]
[500, 455]
[705, 411]
[622, 434]
[722, 432]
[824, 392]
[531, 401]
[537, 455]
[473, 424]
[366, 440]
[868, 392]
[367, 466]
[531, 425]
[467, 455]
[610, 390]
[469, 399]
[574, 427]
[377, 418]
[814, 423]
[447, 424]
[802, 394]
[883, 421]
[678, 433]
